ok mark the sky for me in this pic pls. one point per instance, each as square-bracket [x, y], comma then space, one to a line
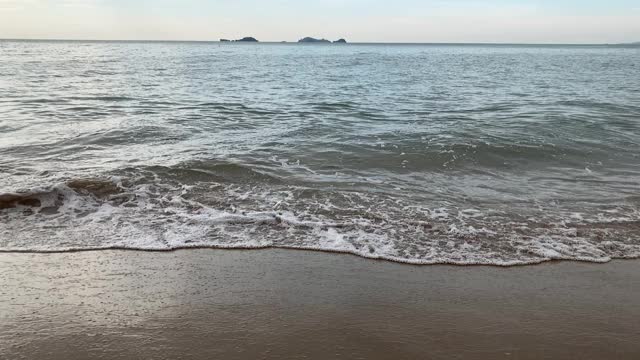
[490, 21]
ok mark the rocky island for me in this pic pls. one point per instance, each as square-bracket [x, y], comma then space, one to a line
[313, 40]
[325, 41]
[248, 39]
[244, 39]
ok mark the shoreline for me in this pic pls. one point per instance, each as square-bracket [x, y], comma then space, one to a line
[275, 303]
[393, 260]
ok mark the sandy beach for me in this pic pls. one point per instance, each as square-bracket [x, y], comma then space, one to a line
[279, 304]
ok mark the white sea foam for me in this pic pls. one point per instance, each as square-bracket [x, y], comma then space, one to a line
[153, 216]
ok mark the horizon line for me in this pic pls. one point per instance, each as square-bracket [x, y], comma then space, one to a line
[296, 42]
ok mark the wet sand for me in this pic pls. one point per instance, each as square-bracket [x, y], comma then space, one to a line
[279, 304]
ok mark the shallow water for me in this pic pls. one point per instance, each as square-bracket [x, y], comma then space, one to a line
[276, 304]
[424, 154]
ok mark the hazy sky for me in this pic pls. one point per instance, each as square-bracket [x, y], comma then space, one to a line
[532, 21]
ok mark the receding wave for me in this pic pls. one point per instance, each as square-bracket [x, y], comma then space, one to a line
[164, 209]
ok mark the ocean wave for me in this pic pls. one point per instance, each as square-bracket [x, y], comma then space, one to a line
[105, 98]
[164, 215]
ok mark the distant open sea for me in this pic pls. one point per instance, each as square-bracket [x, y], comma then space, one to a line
[424, 154]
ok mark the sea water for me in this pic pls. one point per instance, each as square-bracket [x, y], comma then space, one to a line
[424, 154]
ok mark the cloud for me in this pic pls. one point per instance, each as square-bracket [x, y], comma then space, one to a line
[38, 5]
[357, 20]
[16, 4]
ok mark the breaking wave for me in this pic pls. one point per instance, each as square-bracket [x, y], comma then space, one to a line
[156, 209]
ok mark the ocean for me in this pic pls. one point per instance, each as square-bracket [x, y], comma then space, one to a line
[423, 154]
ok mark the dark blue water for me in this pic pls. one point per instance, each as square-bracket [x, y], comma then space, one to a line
[416, 153]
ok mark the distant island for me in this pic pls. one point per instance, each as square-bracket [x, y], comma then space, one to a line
[304, 40]
[244, 39]
[313, 40]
